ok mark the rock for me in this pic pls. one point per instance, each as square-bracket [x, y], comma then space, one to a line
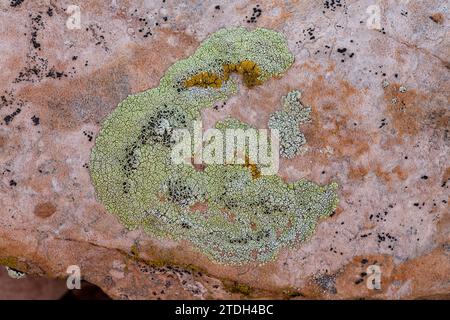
[379, 152]
[35, 288]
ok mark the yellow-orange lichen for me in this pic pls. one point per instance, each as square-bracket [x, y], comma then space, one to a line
[256, 173]
[249, 70]
[204, 80]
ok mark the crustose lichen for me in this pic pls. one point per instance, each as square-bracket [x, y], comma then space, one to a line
[229, 212]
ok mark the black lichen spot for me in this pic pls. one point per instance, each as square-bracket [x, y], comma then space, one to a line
[37, 23]
[382, 237]
[257, 11]
[144, 28]
[219, 106]
[35, 120]
[344, 52]
[7, 99]
[54, 74]
[159, 128]
[332, 5]
[11, 116]
[366, 235]
[36, 67]
[309, 33]
[16, 3]
[89, 135]
[130, 161]
[181, 193]
[12, 183]
[98, 35]
[444, 183]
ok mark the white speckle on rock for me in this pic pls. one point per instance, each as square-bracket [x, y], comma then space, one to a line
[15, 274]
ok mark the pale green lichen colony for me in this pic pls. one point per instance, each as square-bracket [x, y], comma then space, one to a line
[228, 213]
[287, 121]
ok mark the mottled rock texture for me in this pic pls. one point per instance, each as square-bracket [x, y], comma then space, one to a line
[379, 128]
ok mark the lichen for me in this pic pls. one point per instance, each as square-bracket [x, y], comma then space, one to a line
[287, 121]
[290, 293]
[15, 274]
[11, 262]
[231, 213]
[249, 70]
[236, 287]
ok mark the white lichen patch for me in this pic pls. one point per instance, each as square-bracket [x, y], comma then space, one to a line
[15, 274]
[287, 121]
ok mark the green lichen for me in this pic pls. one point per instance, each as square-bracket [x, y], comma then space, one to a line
[228, 212]
[287, 121]
[241, 288]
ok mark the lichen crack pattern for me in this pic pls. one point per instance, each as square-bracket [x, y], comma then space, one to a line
[228, 212]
